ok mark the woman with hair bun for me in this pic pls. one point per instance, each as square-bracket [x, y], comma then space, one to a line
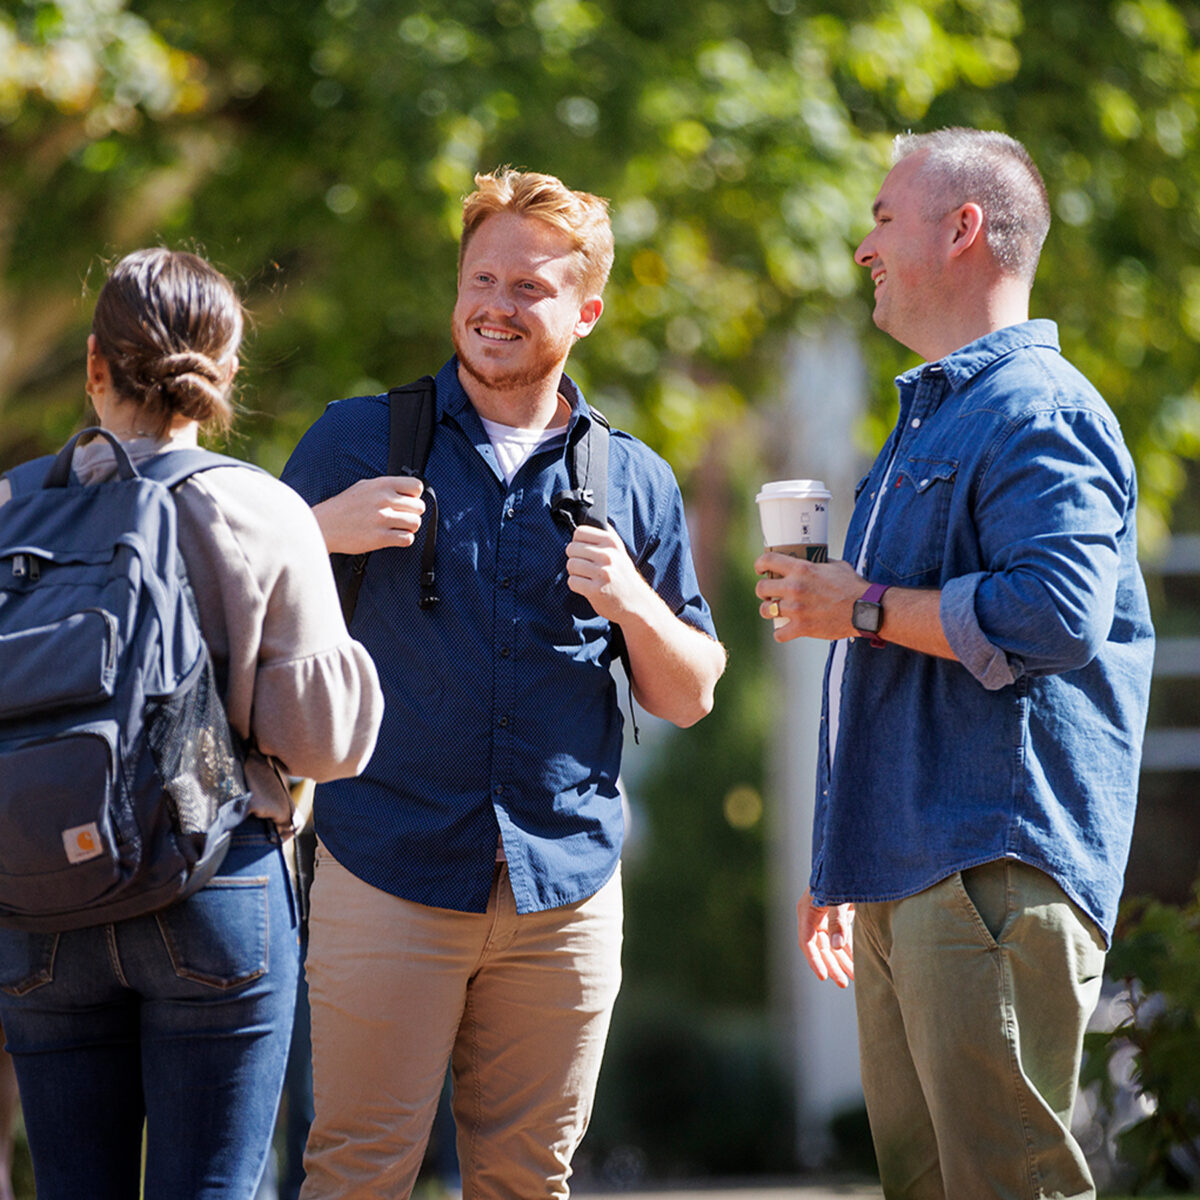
[173, 1028]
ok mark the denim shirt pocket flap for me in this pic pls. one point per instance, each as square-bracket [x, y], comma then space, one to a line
[923, 474]
[913, 521]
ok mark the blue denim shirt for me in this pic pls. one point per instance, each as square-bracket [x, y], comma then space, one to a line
[1012, 491]
[501, 715]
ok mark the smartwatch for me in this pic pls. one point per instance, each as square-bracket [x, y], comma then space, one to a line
[867, 615]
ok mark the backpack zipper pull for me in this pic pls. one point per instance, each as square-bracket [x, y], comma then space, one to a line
[25, 565]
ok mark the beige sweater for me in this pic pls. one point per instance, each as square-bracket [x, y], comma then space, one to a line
[298, 684]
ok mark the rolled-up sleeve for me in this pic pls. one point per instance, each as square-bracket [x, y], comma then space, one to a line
[957, 610]
[1049, 512]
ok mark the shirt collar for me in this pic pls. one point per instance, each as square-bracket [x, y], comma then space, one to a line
[961, 366]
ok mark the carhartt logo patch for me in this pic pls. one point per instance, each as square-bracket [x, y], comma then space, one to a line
[82, 842]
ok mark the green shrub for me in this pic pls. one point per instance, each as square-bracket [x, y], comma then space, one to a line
[686, 1095]
[1156, 952]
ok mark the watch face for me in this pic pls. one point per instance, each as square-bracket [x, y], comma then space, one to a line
[867, 616]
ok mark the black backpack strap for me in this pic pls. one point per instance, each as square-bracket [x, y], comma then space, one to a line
[412, 414]
[171, 468]
[411, 417]
[586, 503]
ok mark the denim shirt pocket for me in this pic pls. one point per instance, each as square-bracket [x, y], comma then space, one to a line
[26, 960]
[911, 545]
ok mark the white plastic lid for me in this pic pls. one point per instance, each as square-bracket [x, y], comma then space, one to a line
[780, 488]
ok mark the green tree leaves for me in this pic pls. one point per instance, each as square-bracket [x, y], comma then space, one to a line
[319, 152]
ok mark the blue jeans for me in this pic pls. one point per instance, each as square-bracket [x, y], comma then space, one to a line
[180, 1019]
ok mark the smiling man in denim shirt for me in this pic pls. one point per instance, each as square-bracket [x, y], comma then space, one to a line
[985, 700]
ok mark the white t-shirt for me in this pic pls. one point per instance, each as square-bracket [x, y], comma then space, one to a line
[513, 445]
[838, 664]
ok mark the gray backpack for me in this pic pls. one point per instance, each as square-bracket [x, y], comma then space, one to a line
[120, 779]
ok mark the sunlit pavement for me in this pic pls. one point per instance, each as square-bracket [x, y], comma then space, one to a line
[747, 1190]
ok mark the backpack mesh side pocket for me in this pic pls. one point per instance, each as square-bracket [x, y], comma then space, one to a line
[192, 746]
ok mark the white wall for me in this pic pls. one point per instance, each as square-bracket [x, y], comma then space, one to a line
[824, 396]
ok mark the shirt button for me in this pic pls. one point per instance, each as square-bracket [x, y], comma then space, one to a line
[504, 651]
[510, 512]
[916, 422]
[505, 581]
[503, 722]
[924, 483]
[497, 790]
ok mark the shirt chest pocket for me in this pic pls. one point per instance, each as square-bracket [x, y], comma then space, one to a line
[911, 545]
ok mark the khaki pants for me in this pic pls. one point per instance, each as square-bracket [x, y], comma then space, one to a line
[519, 1005]
[972, 1001]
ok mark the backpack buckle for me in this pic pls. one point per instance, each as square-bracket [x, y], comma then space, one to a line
[573, 506]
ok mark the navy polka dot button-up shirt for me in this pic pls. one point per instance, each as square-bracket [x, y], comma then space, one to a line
[502, 716]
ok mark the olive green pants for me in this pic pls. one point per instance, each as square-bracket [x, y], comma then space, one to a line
[972, 997]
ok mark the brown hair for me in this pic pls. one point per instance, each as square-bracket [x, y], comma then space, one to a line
[169, 324]
[580, 215]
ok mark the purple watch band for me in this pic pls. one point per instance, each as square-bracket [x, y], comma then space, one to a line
[873, 595]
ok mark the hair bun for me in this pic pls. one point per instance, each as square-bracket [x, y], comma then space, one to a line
[190, 362]
[186, 383]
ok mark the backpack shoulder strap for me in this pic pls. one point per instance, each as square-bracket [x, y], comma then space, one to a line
[412, 414]
[411, 417]
[589, 462]
[172, 467]
[585, 502]
[29, 476]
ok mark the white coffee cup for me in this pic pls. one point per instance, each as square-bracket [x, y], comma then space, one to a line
[795, 520]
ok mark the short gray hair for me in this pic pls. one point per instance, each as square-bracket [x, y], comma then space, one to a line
[994, 171]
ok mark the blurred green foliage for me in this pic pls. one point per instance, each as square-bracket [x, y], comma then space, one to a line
[1156, 952]
[318, 151]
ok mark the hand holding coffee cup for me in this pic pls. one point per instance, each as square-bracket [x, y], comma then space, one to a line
[795, 520]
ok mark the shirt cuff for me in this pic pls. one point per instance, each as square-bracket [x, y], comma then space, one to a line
[957, 611]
